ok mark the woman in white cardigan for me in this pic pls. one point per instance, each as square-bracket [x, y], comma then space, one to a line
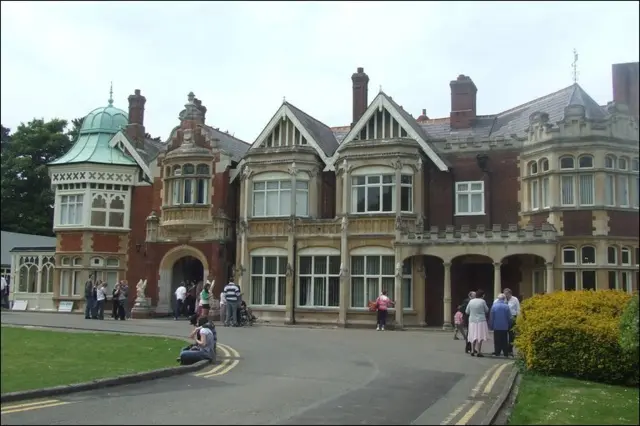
[478, 332]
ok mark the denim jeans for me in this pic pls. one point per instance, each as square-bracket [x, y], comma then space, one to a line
[232, 313]
[89, 307]
[223, 313]
[178, 308]
[100, 308]
[188, 357]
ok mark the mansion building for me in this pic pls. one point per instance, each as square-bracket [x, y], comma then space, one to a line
[313, 221]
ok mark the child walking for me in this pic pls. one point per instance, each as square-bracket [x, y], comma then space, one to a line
[458, 321]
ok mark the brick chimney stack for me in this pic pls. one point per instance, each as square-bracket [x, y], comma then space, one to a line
[360, 94]
[135, 129]
[463, 102]
[625, 85]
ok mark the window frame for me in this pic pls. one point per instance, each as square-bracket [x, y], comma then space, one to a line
[469, 194]
[110, 197]
[591, 201]
[590, 158]
[381, 185]
[567, 157]
[327, 276]
[610, 185]
[534, 194]
[564, 279]
[623, 191]
[624, 250]
[281, 262]
[582, 255]
[575, 255]
[614, 250]
[572, 179]
[545, 201]
[407, 281]
[595, 279]
[542, 275]
[78, 206]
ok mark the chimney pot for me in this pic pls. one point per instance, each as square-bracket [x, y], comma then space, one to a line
[135, 130]
[360, 91]
[424, 111]
[463, 102]
[360, 70]
[625, 86]
[137, 92]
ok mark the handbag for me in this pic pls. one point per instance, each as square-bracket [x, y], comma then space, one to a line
[373, 306]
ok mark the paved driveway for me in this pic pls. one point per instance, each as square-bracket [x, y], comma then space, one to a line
[285, 375]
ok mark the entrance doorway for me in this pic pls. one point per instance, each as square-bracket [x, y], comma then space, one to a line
[187, 270]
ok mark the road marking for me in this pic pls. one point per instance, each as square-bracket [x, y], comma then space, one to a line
[455, 413]
[225, 366]
[472, 411]
[17, 408]
[476, 389]
[494, 378]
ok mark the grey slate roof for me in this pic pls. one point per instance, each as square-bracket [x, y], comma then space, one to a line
[11, 240]
[319, 131]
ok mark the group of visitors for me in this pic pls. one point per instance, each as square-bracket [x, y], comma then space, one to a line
[186, 296]
[473, 320]
[95, 296]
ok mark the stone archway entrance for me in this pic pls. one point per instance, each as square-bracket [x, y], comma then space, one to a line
[179, 264]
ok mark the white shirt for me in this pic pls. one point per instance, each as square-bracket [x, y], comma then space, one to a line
[223, 298]
[3, 284]
[514, 306]
[181, 292]
[101, 295]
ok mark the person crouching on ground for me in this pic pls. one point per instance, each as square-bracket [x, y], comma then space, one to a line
[477, 310]
[382, 304]
[205, 341]
[500, 323]
[458, 321]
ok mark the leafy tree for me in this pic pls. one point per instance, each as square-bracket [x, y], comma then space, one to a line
[26, 194]
[5, 137]
[76, 124]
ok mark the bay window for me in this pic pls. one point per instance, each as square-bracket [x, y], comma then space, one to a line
[268, 280]
[587, 190]
[371, 274]
[108, 209]
[71, 207]
[609, 190]
[272, 198]
[470, 198]
[319, 281]
[566, 190]
[188, 184]
[545, 193]
[623, 190]
[533, 190]
[377, 193]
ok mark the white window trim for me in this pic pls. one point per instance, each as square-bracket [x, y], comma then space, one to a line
[624, 250]
[593, 161]
[613, 189]
[370, 253]
[636, 192]
[622, 178]
[573, 167]
[469, 193]
[543, 277]
[593, 190]
[626, 164]
[629, 281]
[615, 251]
[82, 204]
[575, 256]
[545, 196]
[263, 275]
[573, 190]
[279, 191]
[380, 185]
[614, 162]
[534, 194]
[595, 275]
[326, 276]
[595, 255]
[572, 271]
[109, 196]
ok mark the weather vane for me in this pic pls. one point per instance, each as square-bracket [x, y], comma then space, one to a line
[111, 94]
[574, 66]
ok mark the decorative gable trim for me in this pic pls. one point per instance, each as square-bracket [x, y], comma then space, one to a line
[120, 138]
[285, 112]
[379, 103]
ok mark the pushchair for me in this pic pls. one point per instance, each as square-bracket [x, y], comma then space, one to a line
[245, 316]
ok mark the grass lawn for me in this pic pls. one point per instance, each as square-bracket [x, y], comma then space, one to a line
[560, 401]
[34, 359]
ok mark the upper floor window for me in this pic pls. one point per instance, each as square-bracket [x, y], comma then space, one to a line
[610, 190]
[625, 256]
[108, 210]
[612, 255]
[533, 168]
[272, 198]
[609, 162]
[588, 255]
[585, 162]
[569, 256]
[377, 193]
[470, 198]
[635, 164]
[567, 162]
[193, 184]
[544, 165]
[71, 207]
[622, 163]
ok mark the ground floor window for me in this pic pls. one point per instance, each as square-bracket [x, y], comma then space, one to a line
[613, 280]
[109, 277]
[319, 281]
[372, 274]
[268, 280]
[539, 281]
[70, 283]
[569, 281]
[588, 280]
[625, 281]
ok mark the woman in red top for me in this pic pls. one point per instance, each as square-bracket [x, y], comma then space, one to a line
[382, 304]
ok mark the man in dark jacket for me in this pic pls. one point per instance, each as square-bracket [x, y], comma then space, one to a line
[500, 322]
[89, 299]
[463, 308]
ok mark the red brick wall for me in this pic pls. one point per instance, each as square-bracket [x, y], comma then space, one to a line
[70, 241]
[143, 201]
[623, 224]
[106, 242]
[539, 218]
[577, 222]
[501, 190]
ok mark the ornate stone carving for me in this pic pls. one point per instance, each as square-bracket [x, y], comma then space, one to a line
[419, 164]
[399, 224]
[241, 227]
[397, 164]
[291, 225]
[314, 172]
[344, 272]
[293, 169]
[344, 167]
[344, 224]
[140, 289]
[420, 223]
[289, 272]
[399, 269]
[246, 172]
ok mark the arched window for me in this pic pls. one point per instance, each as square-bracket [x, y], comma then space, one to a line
[112, 262]
[609, 162]
[623, 164]
[28, 274]
[625, 256]
[533, 168]
[635, 164]
[71, 277]
[202, 184]
[116, 211]
[97, 261]
[567, 162]
[544, 165]
[588, 255]
[612, 255]
[569, 256]
[188, 169]
[585, 162]
[108, 210]
[46, 274]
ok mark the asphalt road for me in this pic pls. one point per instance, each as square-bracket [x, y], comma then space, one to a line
[286, 375]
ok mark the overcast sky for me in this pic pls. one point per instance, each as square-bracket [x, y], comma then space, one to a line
[241, 58]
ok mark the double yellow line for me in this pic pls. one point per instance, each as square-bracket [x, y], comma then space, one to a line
[495, 371]
[28, 406]
[225, 366]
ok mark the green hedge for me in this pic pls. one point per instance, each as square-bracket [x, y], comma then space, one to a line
[630, 327]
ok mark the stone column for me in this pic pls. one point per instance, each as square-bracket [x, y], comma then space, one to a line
[397, 165]
[345, 281]
[293, 171]
[291, 276]
[315, 182]
[446, 325]
[419, 289]
[398, 295]
[550, 280]
[243, 227]
[497, 279]
[418, 189]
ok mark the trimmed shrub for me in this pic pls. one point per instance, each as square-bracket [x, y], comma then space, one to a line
[630, 327]
[576, 334]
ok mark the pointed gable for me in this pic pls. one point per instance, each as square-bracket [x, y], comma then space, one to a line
[384, 119]
[121, 143]
[291, 126]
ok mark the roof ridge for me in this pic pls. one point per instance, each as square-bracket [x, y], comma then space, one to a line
[526, 104]
[289, 104]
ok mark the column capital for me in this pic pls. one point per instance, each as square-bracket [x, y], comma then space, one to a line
[548, 265]
[446, 264]
[497, 264]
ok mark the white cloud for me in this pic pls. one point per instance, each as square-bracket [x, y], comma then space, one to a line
[241, 58]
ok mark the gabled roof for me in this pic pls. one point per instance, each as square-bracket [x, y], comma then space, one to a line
[233, 146]
[318, 134]
[94, 148]
[10, 240]
[405, 120]
[121, 138]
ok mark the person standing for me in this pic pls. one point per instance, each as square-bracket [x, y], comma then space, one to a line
[382, 306]
[89, 299]
[477, 311]
[181, 295]
[114, 301]
[232, 297]
[223, 307]
[101, 297]
[500, 323]
[463, 308]
[458, 324]
[5, 293]
[514, 308]
[204, 300]
[123, 295]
